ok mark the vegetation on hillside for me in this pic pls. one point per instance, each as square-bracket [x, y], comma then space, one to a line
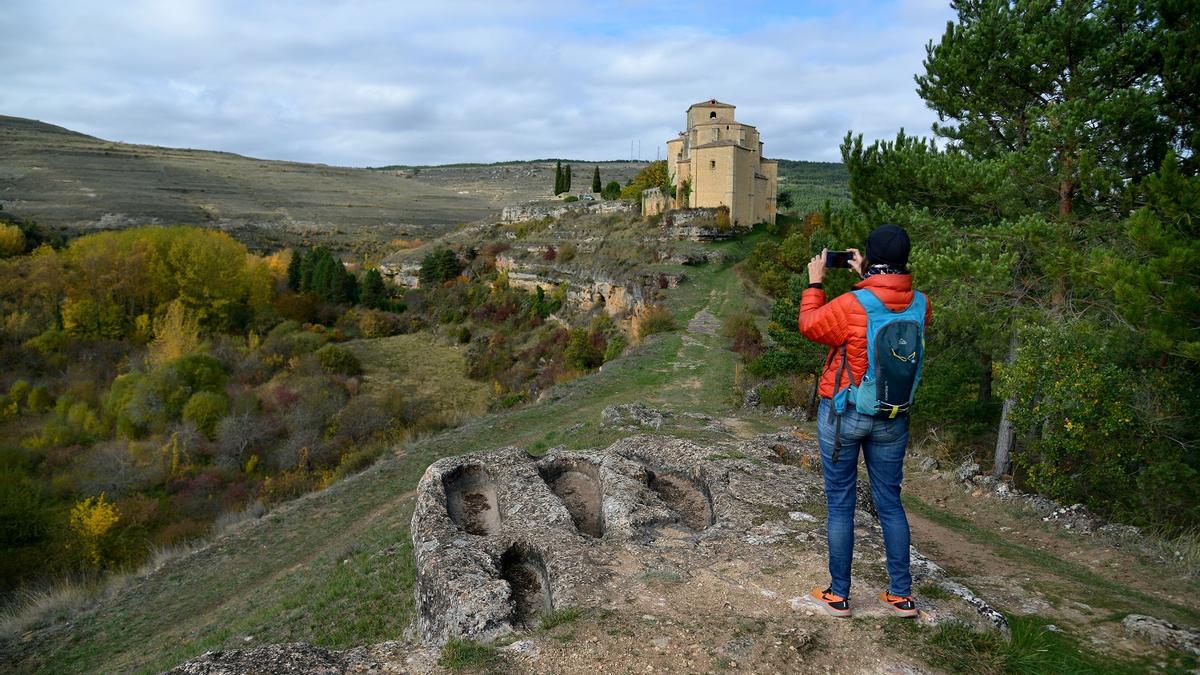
[653, 176]
[1054, 231]
[805, 187]
[159, 379]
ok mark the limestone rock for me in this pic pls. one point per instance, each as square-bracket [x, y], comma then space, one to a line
[296, 658]
[1159, 632]
[631, 417]
[501, 537]
[966, 470]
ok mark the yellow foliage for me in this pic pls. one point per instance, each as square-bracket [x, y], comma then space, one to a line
[141, 328]
[141, 270]
[176, 334]
[91, 520]
[278, 262]
[175, 456]
[12, 241]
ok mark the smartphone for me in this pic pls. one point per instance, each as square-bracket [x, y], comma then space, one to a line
[838, 259]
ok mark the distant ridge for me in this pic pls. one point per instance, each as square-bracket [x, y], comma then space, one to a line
[76, 182]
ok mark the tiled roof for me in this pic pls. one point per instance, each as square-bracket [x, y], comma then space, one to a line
[710, 103]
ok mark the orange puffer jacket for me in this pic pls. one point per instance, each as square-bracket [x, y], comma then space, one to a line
[843, 321]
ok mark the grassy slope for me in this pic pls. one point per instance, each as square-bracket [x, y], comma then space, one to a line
[62, 178]
[422, 368]
[334, 568]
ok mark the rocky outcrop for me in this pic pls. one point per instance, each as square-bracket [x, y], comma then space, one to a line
[569, 527]
[631, 417]
[697, 225]
[536, 210]
[1163, 633]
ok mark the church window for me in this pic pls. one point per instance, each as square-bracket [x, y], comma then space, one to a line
[712, 163]
[712, 115]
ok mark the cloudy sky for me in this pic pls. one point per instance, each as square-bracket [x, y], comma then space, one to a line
[369, 83]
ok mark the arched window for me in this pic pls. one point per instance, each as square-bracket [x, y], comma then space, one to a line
[712, 115]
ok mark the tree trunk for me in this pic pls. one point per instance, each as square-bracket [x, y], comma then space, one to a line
[1005, 436]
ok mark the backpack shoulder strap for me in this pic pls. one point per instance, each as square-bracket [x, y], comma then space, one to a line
[870, 301]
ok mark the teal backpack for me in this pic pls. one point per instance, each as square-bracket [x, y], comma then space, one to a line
[895, 352]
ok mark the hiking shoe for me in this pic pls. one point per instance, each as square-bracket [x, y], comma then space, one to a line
[901, 605]
[836, 605]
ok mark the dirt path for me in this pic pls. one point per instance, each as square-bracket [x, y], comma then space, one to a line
[1080, 582]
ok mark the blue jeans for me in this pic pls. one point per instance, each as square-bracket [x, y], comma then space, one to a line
[883, 442]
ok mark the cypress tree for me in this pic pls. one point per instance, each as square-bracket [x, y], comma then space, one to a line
[596, 181]
[567, 180]
[558, 178]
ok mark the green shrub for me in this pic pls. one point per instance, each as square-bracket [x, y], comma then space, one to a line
[200, 372]
[511, 399]
[356, 460]
[23, 515]
[339, 360]
[1103, 426]
[723, 222]
[374, 323]
[582, 353]
[205, 409]
[656, 319]
[616, 347]
[779, 393]
[743, 332]
[39, 399]
[18, 392]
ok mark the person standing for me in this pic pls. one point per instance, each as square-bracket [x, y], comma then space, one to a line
[875, 335]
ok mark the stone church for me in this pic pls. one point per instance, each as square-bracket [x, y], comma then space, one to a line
[718, 161]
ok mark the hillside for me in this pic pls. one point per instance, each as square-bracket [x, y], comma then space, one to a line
[336, 568]
[65, 179]
[69, 180]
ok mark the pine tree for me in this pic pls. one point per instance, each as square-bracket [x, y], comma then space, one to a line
[308, 262]
[596, 181]
[374, 294]
[294, 271]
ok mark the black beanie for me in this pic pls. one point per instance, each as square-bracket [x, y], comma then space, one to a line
[888, 244]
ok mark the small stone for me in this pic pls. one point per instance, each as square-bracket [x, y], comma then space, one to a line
[649, 617]
[808, 613]
[661, 643]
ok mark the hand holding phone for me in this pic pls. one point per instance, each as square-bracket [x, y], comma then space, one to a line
[838, 259]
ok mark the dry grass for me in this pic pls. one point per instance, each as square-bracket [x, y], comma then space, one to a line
[421, 367]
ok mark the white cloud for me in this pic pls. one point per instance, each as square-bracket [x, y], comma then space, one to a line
[372, 83]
